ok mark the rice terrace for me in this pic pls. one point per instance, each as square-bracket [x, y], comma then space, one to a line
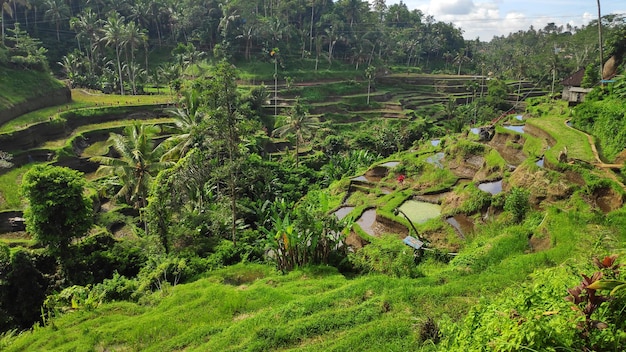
[307, 176]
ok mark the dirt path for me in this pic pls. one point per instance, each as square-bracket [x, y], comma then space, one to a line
[599, 162]
[606, 168]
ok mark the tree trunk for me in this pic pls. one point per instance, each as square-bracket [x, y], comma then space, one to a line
[119, 69]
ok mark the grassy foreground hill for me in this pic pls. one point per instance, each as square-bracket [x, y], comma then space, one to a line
[251, 307]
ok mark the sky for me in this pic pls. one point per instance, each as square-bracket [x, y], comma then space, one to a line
[485, 19]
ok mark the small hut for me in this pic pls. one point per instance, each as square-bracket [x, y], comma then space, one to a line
[572, 91]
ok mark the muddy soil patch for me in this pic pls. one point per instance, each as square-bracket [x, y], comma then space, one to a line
[509, 147]
[468, 167]
[541, 186]
[607, 199]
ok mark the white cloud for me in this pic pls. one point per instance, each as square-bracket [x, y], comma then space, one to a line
[453, 7]
[488, 18]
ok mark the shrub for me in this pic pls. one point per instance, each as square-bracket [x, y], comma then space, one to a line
[118, 288]
[517, 203]
[476, 201]
[387, 255]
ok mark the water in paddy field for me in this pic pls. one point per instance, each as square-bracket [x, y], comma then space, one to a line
[367, 220]
[436, 160]
[462, 223]
[343, 212]
[435, 142]
[491, 187]
[420, 212]
[475, 130]
[390, 164]
[360, 179]
[540, 162]
[518, 129]
[519, 117]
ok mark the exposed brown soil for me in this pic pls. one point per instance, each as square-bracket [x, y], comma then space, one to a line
[608, 199]
[539, 243]
[466, 168]
[355, 241]
[540, 186]
[439, 239]
[510, 147]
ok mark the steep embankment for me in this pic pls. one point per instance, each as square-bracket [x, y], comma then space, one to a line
[22, 91]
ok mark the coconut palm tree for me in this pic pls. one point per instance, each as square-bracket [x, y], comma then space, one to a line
[114, 34]
[57, 12]
[188, 117]
[87, 25]
[5, 6]
[137, 164]
[133, 37]
[299, 123]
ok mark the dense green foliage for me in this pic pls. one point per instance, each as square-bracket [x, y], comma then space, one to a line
[228, 225]
[602, 115]
[58, 210]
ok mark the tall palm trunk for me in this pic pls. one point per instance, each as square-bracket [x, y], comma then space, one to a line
[119, 68]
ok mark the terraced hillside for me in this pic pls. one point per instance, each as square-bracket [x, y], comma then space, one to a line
[26, 90]
[450, 197]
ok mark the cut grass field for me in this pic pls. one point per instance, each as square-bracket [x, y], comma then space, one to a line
[251, 307]
[553, 123]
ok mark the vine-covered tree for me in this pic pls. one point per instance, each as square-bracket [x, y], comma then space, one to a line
[58, 209]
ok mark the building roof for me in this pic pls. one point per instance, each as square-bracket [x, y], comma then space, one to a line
[574, 80]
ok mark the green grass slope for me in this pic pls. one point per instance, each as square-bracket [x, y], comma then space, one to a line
[250, 307]
[17, 86]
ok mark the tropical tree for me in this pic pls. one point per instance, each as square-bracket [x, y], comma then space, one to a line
[133, 36]
[222, 100]
[5, 6]
[460, 58]
[58, 210]
[87, 25]
[370, 73]
[114, 34]
[299, 123]
[137, 164]
[57, 12]
[188, 118]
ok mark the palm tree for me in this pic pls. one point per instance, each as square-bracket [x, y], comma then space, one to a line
[137, 164]
[133, 37]
[87, 25]
[57, 11]
[114, 33]
[460, 59]
[370, 73]
[188, 117]
[5, 6]
[298, 123]
[600, 40]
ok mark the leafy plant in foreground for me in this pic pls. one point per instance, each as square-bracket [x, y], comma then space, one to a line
[589, 303]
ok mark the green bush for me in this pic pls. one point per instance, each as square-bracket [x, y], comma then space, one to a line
[476, 201]
[517, 203]
[117, 288]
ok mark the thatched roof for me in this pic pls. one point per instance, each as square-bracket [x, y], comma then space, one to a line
[574, 80]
